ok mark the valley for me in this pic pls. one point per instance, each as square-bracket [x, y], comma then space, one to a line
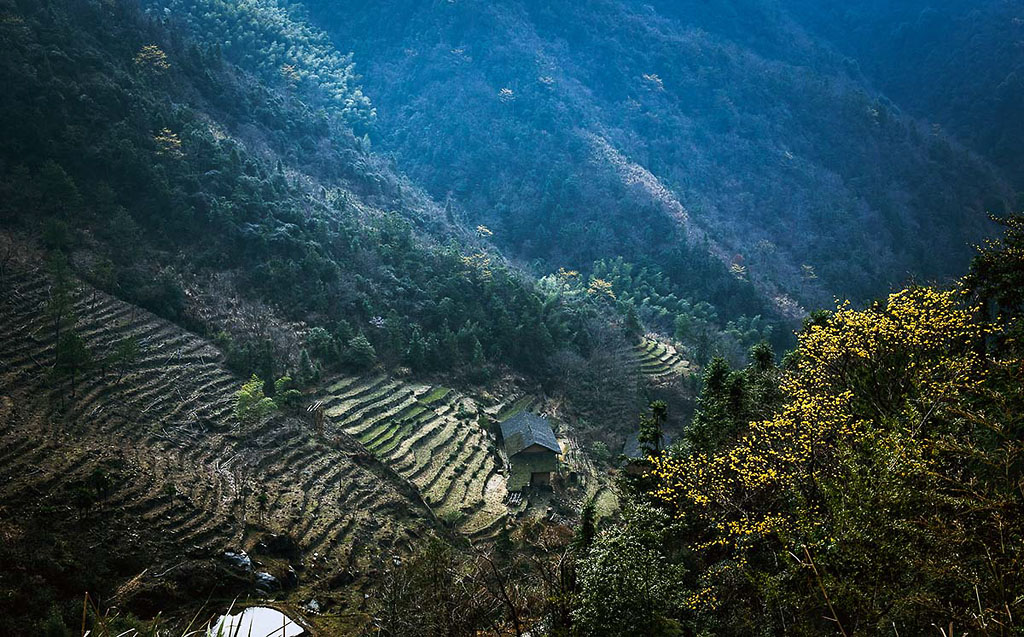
[147, 458]
[525, 318]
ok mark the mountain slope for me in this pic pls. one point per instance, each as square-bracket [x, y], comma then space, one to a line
[741, 116]
[127, 472]
[162, 165]
[957, 63]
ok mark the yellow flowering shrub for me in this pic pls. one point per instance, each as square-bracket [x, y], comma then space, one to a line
[868, 396]
[152, 59]
[601, 289]
[168, 143]
[480, 264]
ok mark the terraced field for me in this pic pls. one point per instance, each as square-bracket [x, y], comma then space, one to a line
[430, 436]
[518, 406]
[660, 361]
[186, 480]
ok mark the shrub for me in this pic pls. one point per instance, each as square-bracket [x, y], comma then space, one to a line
[251, 405]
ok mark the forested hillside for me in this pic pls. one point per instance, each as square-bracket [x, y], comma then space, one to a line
[632, 124]
[869, 484]
[160, 166]
[958, 63]
[466, 317]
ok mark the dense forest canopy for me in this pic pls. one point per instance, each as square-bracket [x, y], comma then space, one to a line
[772, 142]
[958, 64]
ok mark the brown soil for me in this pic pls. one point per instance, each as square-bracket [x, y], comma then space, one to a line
[134, 489]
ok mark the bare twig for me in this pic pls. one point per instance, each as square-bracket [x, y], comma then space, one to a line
[835, 616]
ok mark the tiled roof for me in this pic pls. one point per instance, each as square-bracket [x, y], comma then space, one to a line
[525, 430]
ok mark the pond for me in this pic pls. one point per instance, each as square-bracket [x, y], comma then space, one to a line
[256, 621]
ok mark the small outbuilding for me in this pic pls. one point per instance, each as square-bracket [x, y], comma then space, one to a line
[532, 450]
